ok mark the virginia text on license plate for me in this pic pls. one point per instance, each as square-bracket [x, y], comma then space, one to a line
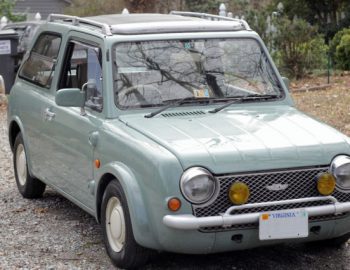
[283, 224]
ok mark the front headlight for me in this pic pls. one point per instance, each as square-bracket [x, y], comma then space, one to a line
[340, 168]
[198, 185]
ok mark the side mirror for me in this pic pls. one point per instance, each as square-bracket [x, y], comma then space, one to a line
[70, 97]
[286, 82]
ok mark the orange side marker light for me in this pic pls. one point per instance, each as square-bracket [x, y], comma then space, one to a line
[174, 204]
[97, 163]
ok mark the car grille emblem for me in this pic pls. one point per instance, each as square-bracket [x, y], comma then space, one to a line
[277, 187]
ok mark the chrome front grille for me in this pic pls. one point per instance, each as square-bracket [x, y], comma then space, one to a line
[300, 184]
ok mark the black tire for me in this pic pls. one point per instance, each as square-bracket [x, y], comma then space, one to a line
[337, 242]
[28, 186]
[129, 255]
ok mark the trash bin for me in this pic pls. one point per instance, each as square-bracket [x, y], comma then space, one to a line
[8, 57]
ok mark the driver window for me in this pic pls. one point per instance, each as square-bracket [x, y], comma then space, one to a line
[83, 70]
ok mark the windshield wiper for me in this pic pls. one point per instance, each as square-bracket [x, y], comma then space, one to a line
[241, 99]
[177, 102]
[261, 96]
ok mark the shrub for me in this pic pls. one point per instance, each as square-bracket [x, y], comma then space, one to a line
[342, 53]
[336, 40]
[316, 53]
[298, 47]
[6, 9]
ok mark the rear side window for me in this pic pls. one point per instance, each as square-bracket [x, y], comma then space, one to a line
[40, 65]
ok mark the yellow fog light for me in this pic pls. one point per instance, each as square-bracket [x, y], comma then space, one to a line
[325, 184]
[239, 193]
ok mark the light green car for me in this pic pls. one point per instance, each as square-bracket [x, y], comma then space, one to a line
[177, 133]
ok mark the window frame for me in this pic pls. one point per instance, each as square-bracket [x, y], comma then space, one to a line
[258, 41]
[68, 53]
[54, 60]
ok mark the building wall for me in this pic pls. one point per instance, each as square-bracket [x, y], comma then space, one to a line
[44, 7]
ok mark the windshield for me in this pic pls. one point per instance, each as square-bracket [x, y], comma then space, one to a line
[154, 73]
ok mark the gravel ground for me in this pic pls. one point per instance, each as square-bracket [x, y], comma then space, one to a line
[47, 233]
[52, 233]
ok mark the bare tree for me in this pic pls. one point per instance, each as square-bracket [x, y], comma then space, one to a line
[98, 7]
[159, 6]
[95, 7]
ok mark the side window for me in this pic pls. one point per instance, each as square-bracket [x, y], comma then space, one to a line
[83, 70]
[40, 65]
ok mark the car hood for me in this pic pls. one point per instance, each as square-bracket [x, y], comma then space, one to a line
[243, 140]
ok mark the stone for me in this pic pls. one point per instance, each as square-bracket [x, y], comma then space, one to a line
[3, 99]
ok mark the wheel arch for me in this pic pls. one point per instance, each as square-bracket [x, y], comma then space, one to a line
[14, 129]
[141, 224]
[102, 185]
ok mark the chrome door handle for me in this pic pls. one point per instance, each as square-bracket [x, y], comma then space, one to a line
[49, 115]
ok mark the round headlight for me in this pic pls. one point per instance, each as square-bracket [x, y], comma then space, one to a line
[198, 185]
[340, 168]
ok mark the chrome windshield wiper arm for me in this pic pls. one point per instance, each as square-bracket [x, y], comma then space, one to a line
[226, 105]
[240, 99]
[176, 103]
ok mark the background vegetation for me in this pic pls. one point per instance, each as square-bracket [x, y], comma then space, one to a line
[6, 7]
[303, 36]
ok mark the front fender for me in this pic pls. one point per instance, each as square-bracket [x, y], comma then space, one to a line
[141, 226]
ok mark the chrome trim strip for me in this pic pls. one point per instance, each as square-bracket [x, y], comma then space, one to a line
[264, 204]
[269, 172]
[190, 222]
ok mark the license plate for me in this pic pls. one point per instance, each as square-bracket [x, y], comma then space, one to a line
[283, 224]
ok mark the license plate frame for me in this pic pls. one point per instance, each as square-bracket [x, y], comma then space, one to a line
[283, 224]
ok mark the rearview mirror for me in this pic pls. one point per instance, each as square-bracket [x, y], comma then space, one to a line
[70, 97]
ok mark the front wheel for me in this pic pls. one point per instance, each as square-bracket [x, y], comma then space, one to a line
[28, 186]
[117, 230]
[337, 242]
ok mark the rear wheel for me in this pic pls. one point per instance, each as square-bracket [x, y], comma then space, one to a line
[117, 230]
[28, 186]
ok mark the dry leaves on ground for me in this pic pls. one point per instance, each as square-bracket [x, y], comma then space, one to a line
[331, 105]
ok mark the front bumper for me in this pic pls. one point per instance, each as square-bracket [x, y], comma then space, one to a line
[190, 222]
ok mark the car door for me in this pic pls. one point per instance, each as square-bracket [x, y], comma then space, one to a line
[34, 94]
[74, 132]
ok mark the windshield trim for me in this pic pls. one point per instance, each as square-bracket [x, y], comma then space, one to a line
[281, 97]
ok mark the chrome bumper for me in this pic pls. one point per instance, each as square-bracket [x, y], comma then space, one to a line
[190, 222]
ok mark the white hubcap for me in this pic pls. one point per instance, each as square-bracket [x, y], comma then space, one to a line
[115, 224]
[21, 164]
